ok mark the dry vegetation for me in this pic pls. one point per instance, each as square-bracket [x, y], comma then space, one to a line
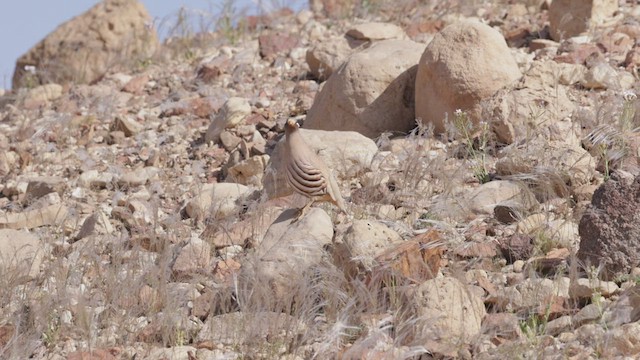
[117, 292]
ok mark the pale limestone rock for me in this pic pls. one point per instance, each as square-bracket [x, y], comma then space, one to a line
[194, 258]
[139, 176]
[288, 253]
[253, 328]
[539, 103]
[94, 178]
[325, 57]
[568, 18]
[127, 125]
[42, 94]
[249, 171]
[20, 254]
[83, 49]
[53, 214]
[604, 76]
[218, 200]
[447, 312]
[371, 93]
[585, 288]
[232, 113]
[363, 241]
[570, 164]
[376, 31]
[173, 353]
[464, 64]
[484, 198]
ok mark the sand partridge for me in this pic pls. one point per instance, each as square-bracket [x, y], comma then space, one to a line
[307, 174]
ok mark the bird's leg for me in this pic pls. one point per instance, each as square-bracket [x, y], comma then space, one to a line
[303, 211]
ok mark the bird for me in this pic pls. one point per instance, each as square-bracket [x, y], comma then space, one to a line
[306, 173]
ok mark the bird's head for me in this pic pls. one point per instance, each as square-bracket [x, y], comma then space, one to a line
[291, 126]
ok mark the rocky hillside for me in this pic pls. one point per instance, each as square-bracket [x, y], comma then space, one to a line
[487, 152]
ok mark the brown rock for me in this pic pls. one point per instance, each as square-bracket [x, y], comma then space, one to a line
[416, 260]
[41, 186]
[229, 140]
[113, 32]
[517, 247]
[6, 333]
[609, 229]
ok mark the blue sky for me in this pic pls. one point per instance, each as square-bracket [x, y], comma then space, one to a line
[24, 23]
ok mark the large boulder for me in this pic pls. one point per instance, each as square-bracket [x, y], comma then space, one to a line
[372, 92]
[287, 254]
[83, 49]
[464, 64]
[610, 228]
[347, 153]
[540, 102]
[568, 18]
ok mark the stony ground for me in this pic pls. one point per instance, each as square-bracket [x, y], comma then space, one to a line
[141, 215]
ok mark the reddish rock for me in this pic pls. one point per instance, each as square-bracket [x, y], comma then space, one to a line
[517, 247]
[205, 107]
[416, 260]
[424, 27]
[210, 71]
[136, 85]
[610, 228]
[274, 44]
[255, 21]
[518, 37]
[502, 325]
[6, 333]
[225, 269]
[632, 60]
[578, 54]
